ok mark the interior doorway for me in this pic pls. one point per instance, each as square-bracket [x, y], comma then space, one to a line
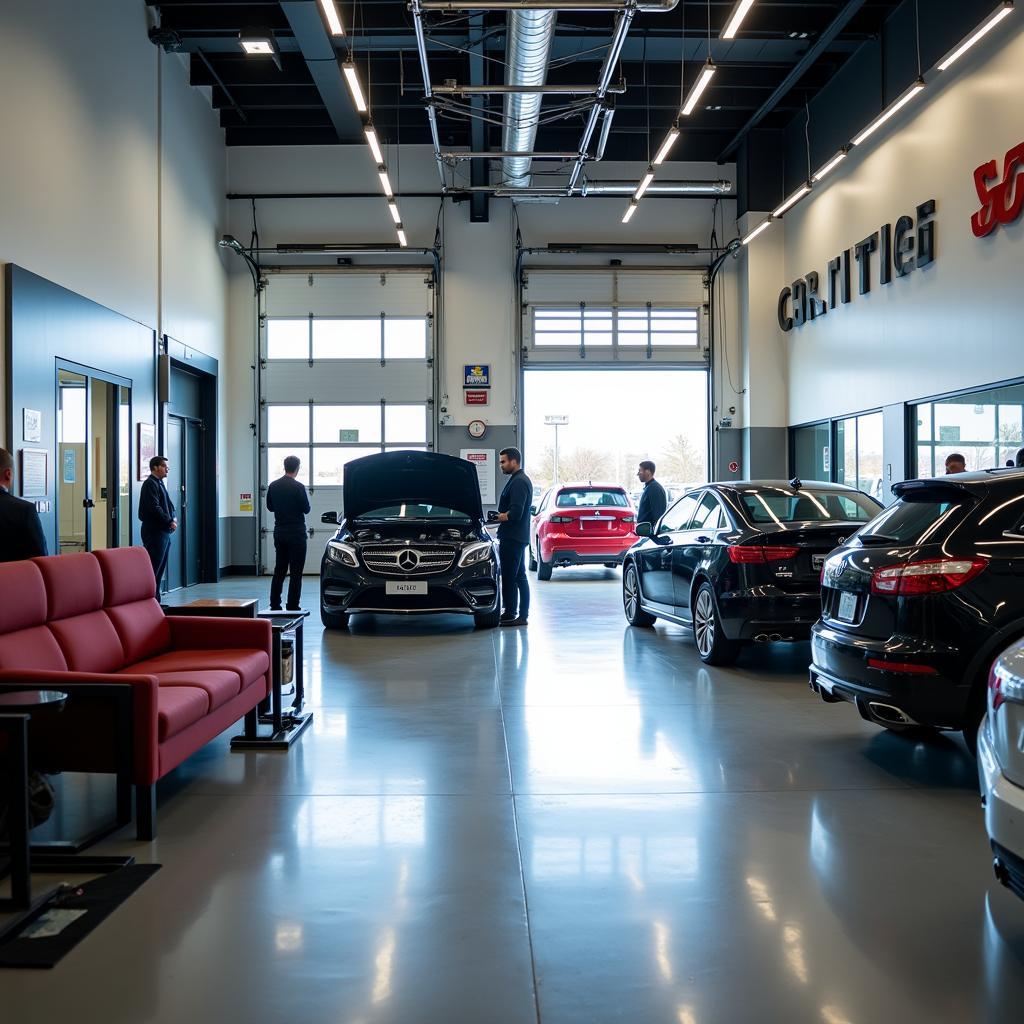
[603, 421]
[185, 485]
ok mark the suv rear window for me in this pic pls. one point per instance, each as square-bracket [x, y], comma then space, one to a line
[920, 517]
[782, 505]
[586, 497]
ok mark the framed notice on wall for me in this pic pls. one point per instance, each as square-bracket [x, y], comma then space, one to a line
[33, 472]
[146, 447]
[31, 425]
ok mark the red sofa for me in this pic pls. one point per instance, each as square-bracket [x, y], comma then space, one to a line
[91, 620]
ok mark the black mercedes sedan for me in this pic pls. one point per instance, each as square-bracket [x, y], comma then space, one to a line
[740, 562]
[918, 604]
[412, 541]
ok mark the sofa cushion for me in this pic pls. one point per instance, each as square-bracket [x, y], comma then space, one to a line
[178, 707]
[127, 575]
[89, 642]
[142, 628]
[22, 596]
[251, 666]
[74, 584]
[220, 686]
[34, 648]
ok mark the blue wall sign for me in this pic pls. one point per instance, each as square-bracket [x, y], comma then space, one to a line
[478, 376]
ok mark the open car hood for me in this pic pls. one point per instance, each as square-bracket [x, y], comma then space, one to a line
[412, 478]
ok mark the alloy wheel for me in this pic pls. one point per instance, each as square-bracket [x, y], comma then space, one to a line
[629, 595]
[704, 623]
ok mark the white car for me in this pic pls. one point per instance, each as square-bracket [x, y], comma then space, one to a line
[1001, 767]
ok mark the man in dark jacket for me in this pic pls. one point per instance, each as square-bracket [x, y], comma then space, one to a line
[513, 538]
[156, 513]
[288, 500]
[654, 500]
[21, 532]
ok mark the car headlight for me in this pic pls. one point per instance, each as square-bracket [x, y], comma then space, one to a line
[343, 553]
[475, 553]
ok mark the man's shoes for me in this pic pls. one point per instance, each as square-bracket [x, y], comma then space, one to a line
[512, 622]
[275, 607]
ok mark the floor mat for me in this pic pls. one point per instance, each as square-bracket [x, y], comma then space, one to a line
[70, 916]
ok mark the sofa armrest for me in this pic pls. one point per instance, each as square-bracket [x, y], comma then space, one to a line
[196, 632]
[144, 690]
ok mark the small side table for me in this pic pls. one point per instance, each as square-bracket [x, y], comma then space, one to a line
[16, 709]
[217, 607]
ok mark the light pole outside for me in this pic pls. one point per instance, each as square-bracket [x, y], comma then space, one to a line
[556, 422]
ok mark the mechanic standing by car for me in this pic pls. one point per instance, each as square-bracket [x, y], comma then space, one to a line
[654, 500]
[288, 500]
[513, 538]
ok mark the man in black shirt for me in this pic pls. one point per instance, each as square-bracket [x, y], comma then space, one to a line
[156, 512]
[513, 538]
[289, 502]
[654, 500]
[21, 533]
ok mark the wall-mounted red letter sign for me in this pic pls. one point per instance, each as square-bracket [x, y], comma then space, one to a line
[1002, 202]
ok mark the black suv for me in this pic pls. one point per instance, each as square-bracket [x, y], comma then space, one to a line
[412, 541]
[917, 605]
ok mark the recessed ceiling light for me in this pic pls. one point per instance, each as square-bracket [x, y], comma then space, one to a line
[257, 41]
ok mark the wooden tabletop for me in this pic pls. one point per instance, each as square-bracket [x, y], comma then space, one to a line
[220, 602]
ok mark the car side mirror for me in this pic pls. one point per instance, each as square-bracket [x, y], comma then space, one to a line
[330, 517]
[533, 510]
[644, 530]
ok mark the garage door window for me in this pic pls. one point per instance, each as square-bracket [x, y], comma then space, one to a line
[321, 338]
[288, 339]
[627, 327]
[360, 423]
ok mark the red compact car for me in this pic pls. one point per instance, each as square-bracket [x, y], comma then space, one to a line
[581, 524]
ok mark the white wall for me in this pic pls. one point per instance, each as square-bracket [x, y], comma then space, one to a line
[97, 195]
[957, 323]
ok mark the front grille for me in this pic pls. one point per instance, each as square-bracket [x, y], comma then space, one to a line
[407, 560]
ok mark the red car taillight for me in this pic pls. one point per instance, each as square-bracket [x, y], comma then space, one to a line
[751, 554]
[629, 520]
[916, 578]
[995, 685]
[560, 519]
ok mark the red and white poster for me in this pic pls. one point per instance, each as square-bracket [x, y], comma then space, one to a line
[483, 459]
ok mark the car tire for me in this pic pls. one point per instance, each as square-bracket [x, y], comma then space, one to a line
[543, 568]
[333, 620]
[635, 615]
[713, 646]
[487, 620]
[533, 560]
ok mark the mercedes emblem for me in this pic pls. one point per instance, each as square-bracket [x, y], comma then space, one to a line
[408, 560]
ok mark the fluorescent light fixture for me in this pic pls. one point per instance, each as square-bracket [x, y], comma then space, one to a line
[703, 81]
[738, 14]
[256, 46]
[385, 182]
[402, 240]
[831, 165]
[792, 200]
[352, 77]
[257, 42]
[330, 9]
[645, 184]
[395, 215]
[666, 146]
[763, 226]
[892, 111]
[374, 144]
[630, 210]
[983, 30]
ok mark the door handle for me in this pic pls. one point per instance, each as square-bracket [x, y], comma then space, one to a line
[703, 540]
[88, 503]
[310, 531]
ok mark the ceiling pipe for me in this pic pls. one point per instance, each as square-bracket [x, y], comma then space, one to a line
[421, 48]
[451, 6]
[720, 187]
[530, 33]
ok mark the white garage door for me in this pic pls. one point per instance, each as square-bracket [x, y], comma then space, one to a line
[347, 371]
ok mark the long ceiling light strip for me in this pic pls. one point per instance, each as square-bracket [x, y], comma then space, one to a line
[789, 203]
[891, 111]
[352, 80]
[666, 146]
[697, 89]
[374, 143]
[741, 10]
[983, 30]
[630, 210]
[330, 9]
[831, 165]
[763, 226]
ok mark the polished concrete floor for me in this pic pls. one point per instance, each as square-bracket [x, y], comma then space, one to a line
[575, 823]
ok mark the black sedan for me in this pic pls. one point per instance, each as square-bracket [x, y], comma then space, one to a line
[412, 541]
[917, 605]
[740, 562]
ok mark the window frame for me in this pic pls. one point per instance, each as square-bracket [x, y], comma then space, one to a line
[382, 357]
[623, 322]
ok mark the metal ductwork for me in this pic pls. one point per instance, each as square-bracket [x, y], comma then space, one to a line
[530, 33]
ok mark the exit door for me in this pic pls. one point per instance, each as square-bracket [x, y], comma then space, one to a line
[184, 484]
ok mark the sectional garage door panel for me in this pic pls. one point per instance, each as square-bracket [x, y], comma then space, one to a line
[357, 381]
[397, 293]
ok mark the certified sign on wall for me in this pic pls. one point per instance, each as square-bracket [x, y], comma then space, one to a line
[477, 376]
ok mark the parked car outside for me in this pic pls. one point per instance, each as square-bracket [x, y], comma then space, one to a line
[581, 524]
[1001, 767]
[918, 604]
[740, 562]
[412, 541]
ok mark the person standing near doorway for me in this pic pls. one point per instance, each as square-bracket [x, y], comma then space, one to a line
[513, 538]
[654, 500]
[288, 500]
[21, 532]
[156, 513]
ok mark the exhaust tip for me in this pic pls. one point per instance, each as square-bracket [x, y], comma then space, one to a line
[889, 714]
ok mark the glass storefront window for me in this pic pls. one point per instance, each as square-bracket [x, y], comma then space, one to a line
[855, 458]
[985, 427]
[812, 452]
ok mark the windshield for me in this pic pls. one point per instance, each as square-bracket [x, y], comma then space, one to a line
[919, 519]
[414, 511]
[588, 497]
[783, 505]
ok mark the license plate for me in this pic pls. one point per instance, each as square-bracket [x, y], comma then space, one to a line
[818, 561]
[847, 607]
[398, 588]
